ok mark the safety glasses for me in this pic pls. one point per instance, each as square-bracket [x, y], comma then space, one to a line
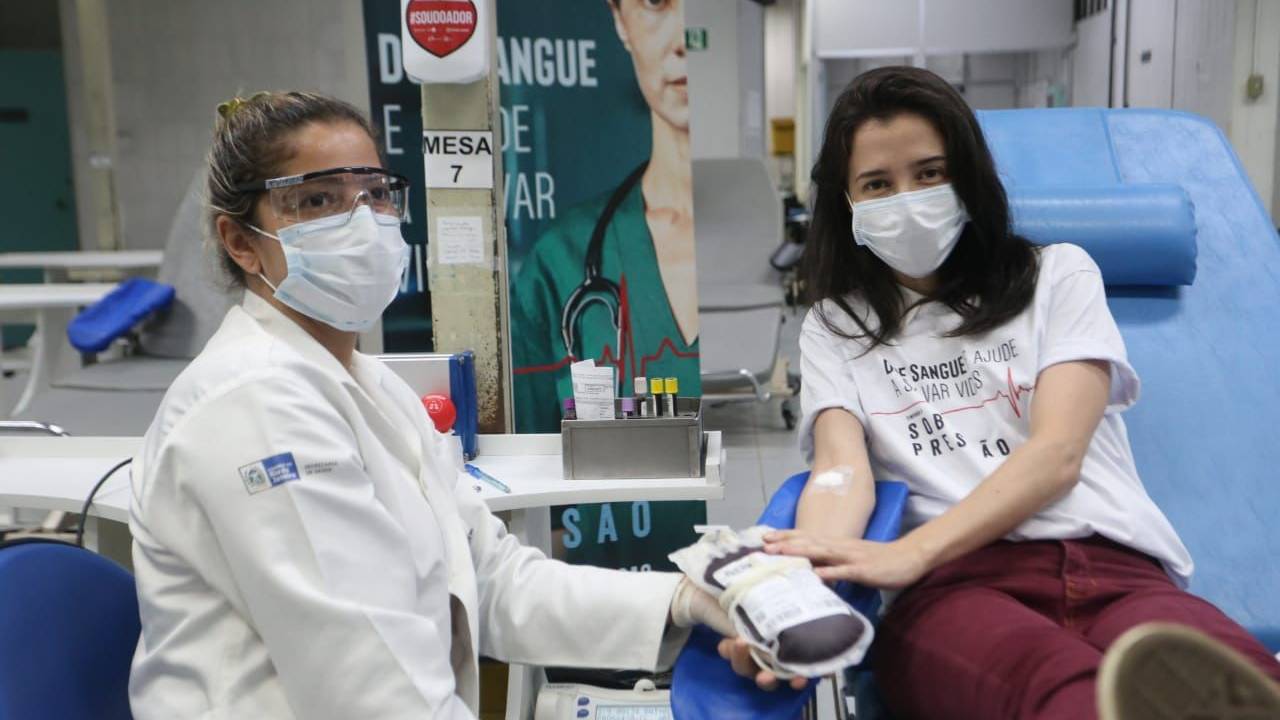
[324, 193]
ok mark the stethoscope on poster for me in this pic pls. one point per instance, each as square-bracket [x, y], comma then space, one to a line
[595, 288]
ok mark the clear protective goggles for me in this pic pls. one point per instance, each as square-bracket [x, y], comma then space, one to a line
[325, 193]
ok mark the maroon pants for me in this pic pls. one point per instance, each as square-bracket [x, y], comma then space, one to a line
[1017, 630]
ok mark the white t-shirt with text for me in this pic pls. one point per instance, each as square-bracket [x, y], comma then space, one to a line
[942, 413]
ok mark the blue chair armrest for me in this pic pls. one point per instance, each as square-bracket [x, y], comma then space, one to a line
[131, 302]
[885, 522]
[704, 687]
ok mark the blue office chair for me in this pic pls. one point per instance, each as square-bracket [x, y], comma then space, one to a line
[69, 620]
[704, 687]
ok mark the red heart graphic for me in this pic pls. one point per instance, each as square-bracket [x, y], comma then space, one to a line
[440, 26]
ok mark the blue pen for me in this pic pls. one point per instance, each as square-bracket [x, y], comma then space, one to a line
[485, 477]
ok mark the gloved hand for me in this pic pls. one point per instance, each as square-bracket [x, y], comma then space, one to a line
[691, 605]
[794, 624]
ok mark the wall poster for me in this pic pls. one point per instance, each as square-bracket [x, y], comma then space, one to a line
[599, 206]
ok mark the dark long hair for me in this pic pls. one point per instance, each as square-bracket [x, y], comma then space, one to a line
[990, 276]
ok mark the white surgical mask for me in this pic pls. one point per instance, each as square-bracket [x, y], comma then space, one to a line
[912, 232]
[343, 270]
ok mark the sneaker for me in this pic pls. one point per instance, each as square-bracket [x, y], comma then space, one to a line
[1162, 671]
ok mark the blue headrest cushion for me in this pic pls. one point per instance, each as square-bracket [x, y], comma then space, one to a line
[1138, 234]
[131, 302]
[1079, 155]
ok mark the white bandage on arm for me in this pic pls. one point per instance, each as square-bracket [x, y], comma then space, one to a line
[836, 481]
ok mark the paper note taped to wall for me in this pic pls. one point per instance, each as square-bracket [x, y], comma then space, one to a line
[459, 241]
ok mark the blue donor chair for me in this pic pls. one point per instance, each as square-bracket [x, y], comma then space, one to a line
[69, 623]
[1194, 286]
[704, 687]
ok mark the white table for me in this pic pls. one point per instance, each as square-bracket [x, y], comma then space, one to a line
[36, 296]
[58, 473]
[50, 473]
[53, 306]
[57, 265]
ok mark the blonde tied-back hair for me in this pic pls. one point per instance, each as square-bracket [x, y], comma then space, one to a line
[251, 143]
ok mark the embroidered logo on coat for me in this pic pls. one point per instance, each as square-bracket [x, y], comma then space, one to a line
[269, 472]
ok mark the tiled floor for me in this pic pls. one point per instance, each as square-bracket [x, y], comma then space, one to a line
[761, 454]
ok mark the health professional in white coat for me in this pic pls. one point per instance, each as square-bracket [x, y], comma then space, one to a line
[303, 545]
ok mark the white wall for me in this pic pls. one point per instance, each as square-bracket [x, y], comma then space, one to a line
[1204, 52]
[751, 79]
[1190, 51]
[987, 81]
[1091, 61]
[1119, 51]
[86, 60]
[991, 26]
[837, 73]
[809, 98]
[858, 28]
[1253, 126]
[780, 59]
[1006, 53]
[713, 79]
[1045, 78]
[173, 62]
[726, 81]
[990, 81]
[783, 83]
[1150, 53]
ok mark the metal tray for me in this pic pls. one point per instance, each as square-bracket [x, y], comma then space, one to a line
[638, 448]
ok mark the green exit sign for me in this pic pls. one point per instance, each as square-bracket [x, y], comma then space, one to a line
[695, 38]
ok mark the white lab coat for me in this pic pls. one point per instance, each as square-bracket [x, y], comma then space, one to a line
[364, 588]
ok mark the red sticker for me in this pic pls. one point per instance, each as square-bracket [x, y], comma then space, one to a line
[440, 26]
[441, 411]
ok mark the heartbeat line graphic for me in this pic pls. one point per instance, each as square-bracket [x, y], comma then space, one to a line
[667, 344]
[623, 356]
[560, 364]
[607, 357]
[1013, 396]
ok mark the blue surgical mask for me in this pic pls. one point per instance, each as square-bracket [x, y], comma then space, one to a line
[343, 270]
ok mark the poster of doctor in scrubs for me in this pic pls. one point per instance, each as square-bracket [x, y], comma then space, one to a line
[600, 229]
[599, 204]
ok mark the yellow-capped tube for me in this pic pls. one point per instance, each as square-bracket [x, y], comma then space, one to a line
[656, 389]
